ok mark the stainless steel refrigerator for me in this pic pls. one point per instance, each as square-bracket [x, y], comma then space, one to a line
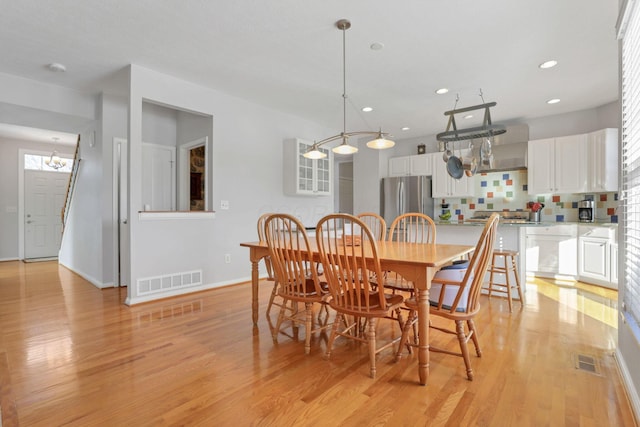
[400, 195]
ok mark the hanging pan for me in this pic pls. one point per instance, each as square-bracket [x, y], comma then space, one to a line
[454, 167]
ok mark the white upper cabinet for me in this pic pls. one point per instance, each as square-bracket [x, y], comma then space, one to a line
[400, 166]
[541, 169]
[306, 177]
[558, 165]
[444, 185]
[420, 164]
[571, 164]
[603, 160]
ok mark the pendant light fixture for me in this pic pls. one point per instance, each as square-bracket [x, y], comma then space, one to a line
[54, 161]
[380, 142]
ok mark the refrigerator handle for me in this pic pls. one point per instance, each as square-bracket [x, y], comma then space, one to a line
[401, 198]
[423, 196]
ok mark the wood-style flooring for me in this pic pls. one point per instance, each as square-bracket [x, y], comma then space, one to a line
[72, 354]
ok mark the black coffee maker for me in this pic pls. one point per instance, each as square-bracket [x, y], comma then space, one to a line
[586, 211]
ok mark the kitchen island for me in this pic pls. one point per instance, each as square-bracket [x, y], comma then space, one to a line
[556, 250]
[509, 236]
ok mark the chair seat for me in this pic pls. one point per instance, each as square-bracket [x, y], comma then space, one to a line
[391, 301]
[450, 291]
[393, 281]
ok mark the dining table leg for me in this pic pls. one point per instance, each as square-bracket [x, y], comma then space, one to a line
[422, 296]
[255, 279]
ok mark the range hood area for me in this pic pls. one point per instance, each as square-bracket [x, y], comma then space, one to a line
[509, 150]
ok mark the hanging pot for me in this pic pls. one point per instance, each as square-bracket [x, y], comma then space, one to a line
[447, 153]
[470, 165]
[454, 167]
[470, 162]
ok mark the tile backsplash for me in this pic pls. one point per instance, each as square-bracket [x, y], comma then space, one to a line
[498, 191]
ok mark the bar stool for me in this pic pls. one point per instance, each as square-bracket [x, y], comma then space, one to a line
[507, 267]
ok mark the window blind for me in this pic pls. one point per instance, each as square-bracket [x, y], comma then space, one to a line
[630, 95]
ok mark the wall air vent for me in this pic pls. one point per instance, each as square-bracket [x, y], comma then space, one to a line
[157, 284]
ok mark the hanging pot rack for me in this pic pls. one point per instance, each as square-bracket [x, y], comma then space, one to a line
[487, 130]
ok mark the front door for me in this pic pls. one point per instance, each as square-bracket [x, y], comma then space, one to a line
[44, 195]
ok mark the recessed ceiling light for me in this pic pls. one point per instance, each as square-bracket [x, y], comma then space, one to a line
[553, 101]
[468, 116]
[367, 109]
[405, 128]
[442, 91]
[376, 46]
[548, 64]
[56, 67]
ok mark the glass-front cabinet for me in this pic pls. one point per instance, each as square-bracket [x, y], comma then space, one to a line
[306, 177]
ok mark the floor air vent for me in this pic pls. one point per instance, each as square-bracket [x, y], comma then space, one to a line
[151, 285]
[586, 363]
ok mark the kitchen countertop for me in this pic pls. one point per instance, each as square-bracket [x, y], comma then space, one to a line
[526, 224]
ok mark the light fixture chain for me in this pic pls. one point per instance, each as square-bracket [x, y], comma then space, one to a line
[344, 79]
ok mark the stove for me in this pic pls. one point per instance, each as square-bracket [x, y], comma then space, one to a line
[506, 217]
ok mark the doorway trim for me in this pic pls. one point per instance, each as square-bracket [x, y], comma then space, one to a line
[116, 198]
[21, 154]
[184, 178]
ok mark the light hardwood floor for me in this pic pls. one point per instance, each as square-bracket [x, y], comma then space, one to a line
[71, 354]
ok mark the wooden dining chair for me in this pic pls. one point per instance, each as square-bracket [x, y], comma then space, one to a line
[455, 296]
[412, 227]
[297, 278]
[269, 266]
[376, 224]
[349, 263]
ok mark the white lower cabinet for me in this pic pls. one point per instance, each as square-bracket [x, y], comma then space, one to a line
[597, 255]
[613, 256]
[552, 251]
[593, 258]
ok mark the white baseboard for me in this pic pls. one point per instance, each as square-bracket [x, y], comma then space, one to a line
[632, 393]
[9, 259]
[185, 291]
[95, 282]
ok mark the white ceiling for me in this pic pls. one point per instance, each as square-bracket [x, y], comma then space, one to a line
[287, 54]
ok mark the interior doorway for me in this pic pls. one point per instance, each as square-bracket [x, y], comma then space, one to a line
[44, 196]
[345, 187]
[121, 210]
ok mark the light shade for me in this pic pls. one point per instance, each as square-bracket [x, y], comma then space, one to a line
[380, 143]
[344, 148]
[314, 153]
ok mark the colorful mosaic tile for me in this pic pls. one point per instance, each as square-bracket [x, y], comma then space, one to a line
[508, 191]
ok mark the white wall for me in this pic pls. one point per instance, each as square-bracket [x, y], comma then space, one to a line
[81, 248]
[247, 171]
[159, 124]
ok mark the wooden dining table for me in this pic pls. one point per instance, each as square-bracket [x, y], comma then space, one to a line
[416, 262]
